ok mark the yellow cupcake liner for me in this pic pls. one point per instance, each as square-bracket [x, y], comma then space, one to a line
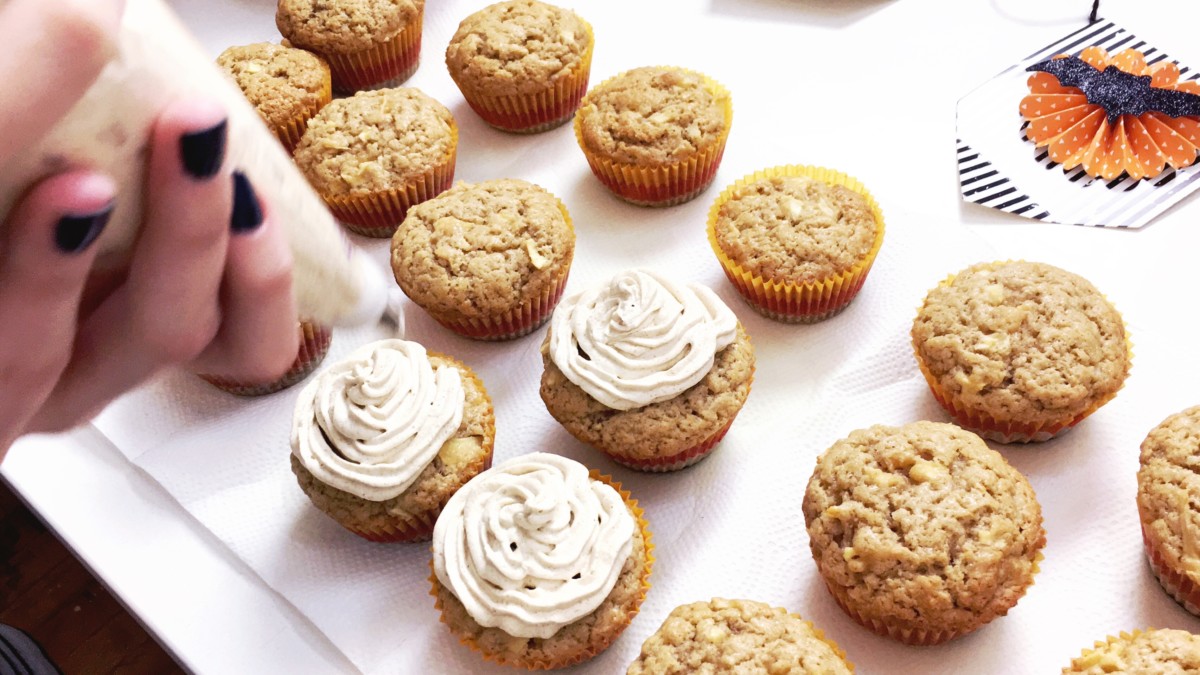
[1176, 583]
[1087, 657]
[1008, 431]
[539, 111]
[519, 321]
[516, 660]
[378, 214]
[290, 133]
[669, 184]
[387, 64]
[783, 300]
[314, 344]
[920, 637]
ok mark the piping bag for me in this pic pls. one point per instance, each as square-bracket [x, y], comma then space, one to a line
[156, 61]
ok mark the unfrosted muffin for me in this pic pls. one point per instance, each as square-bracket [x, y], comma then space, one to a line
[287, 86]
[522, 65]
[655, 135]
[1020, 351]
[384, 437]
[314, 344]
[538, 564]
[738, 636]
[374, 155]
[796, 241]
[1168, 488]
[368, 43]
[650, 372]
[922, 533]
[1152, 652]
[487, 260]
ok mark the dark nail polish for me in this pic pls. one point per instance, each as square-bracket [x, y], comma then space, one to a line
[74, 233]
[203, 151]
[247, 212]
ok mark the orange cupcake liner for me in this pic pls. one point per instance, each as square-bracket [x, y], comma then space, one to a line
[1006, 431]
[516, 660]
[536, 112]
[378, 214]
[918, 637]
[666, 185]
[820, 635]
[387, 64]
[314, 344]
[1107, 642]
[1177, 585]
[290, 133]
[785, 301]
[677, 461]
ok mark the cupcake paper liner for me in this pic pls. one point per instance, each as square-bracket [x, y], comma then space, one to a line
[314, 344]
[570, 659]
[387, 64]
[289, 134]
[666, 185]
[1177, 585]
[536, 112]
[1009, 431]
[1107, 642]
[820, 635]
[919, 637]
[788, 302]
[680, 460]
[378, 214]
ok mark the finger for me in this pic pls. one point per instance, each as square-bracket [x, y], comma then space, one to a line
[167, 310]
[53, 51]
[44, 260]
[258, 339]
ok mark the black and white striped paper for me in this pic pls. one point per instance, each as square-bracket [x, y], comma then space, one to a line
[999, 168]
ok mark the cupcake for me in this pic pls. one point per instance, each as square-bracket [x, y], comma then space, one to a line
[368, 43]
[738, 636]
[314, 343]
[538, 564]
[1020, 351]
[1167, 488]
[287, 86]
[488, 260]
[655, 135]
[922, 533]
[373, 156]
[650, 372]
[1149, 652]
[796, 241]
[384, 437]
[522, 65]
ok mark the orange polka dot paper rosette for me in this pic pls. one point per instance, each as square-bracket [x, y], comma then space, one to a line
[1077, 129]
[314, 344]
[785, 300]
[566, 657]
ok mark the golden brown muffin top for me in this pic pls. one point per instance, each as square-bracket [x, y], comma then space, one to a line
[652, 116]
[281, 82]
[923, 526]
[375, 140]
[1157, 652]
[344, 26]
[480, 250]
[1169, 491]
[736, 636]
[795, 229]
[516, 47]
[1022, 341]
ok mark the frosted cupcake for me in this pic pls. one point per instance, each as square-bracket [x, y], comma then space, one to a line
[650, 372]
[538, 564]
[384, 437]
[286, 86]
[1168, 489]
[1150, 652]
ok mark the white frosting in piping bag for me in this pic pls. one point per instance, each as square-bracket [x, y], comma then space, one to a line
[372, 422]
[640, 338]
[532, 545]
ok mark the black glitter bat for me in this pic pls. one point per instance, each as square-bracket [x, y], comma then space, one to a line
[1119, 92]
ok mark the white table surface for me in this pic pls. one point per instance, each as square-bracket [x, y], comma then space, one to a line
[879, 80]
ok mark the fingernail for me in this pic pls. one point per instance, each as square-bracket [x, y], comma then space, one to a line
[247, 212]
[203, 151]
[74, 233]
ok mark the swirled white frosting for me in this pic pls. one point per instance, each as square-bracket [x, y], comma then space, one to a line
[532, 545]
[640, 338]
[372, 422]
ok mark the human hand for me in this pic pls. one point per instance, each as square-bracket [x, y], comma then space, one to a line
[209, 283]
